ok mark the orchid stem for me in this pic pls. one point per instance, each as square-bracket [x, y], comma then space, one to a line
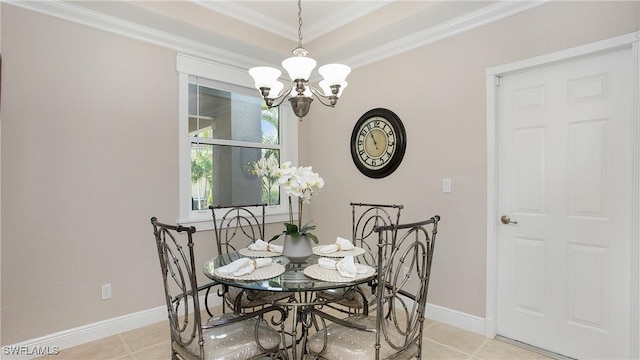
[290, 211]
[299, 213]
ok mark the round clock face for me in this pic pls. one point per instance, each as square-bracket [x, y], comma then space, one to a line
[378, 143]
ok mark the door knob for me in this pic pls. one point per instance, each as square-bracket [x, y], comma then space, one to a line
[505, 219]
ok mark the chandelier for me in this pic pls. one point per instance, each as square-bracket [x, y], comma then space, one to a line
[300, 90]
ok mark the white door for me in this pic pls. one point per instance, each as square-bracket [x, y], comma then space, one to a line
[565, 171]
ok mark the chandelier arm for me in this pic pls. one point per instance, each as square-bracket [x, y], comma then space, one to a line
[332, 99]
[280, 99]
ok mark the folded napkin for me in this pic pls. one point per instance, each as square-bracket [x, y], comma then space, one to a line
[341, 244]
[244, 266]
[261, 245]
[346, 266]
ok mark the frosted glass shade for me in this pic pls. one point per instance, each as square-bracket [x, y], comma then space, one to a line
[299, 67]
[334, 73]
[264, 76]
[326, 87]
[275, 90]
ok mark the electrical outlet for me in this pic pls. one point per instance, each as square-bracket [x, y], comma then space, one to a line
[106, 291]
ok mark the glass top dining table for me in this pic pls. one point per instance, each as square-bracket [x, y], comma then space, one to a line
[293, 279]
[290, 277]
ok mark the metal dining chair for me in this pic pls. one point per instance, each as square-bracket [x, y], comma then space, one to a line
[396, 329]
[229, 336]
[235, 227]
[365, 218]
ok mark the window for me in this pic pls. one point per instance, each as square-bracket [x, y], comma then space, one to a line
[225, 130]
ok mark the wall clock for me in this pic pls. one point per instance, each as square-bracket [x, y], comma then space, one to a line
[378, 142]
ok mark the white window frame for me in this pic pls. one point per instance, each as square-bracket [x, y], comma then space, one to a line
[187, 65]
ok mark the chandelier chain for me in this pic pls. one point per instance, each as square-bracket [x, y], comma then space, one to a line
[299, 23]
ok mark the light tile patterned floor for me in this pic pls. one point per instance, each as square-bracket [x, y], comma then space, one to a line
[441, 341]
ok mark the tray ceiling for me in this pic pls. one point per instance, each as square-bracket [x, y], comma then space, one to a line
[250, 33]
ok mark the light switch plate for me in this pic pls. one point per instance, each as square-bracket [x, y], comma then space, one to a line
[446, 185]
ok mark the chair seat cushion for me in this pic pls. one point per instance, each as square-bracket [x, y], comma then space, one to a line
[347, 343]
[235, 341]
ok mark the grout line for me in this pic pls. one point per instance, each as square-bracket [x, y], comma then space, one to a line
[471, 355]
[480, 348]
[451, 348]
[445, 345]
[432, 322]
[126, 346]
[166, 341]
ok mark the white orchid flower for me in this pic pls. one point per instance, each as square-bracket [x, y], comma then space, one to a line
[299, 182]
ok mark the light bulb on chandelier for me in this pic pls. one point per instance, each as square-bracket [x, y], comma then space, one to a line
[300, 91]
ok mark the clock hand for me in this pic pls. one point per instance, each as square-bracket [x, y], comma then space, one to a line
[374, 140]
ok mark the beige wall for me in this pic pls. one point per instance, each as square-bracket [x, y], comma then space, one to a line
[89, 139]
[439, 93]
[88, 156]
[0, 174]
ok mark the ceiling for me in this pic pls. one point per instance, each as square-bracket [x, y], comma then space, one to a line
[260, 32]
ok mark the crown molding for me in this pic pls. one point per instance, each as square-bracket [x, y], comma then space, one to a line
[483, 16]
[80, 15]
[76, 14]
[343, 17]
[242, 13]
[336, 20]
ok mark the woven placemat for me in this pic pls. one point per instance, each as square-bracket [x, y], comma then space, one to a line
[317, 272]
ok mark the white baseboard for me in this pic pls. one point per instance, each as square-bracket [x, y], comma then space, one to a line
[50, 344]
[77, 336]
[456, 318]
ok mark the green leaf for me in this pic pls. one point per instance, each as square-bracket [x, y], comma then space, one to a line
[309, 228]
[312, 237]
[306, 227]
[275, 237]
[291, 228]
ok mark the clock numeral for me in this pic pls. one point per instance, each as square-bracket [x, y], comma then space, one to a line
[377, 162]
[376, 123]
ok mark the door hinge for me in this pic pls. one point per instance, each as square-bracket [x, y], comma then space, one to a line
[498, 81]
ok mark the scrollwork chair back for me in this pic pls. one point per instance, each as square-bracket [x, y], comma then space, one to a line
[235, 227]
[365, 218]
[190, 338]
[396, 329]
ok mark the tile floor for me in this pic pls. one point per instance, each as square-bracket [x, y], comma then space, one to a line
[441, 341]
